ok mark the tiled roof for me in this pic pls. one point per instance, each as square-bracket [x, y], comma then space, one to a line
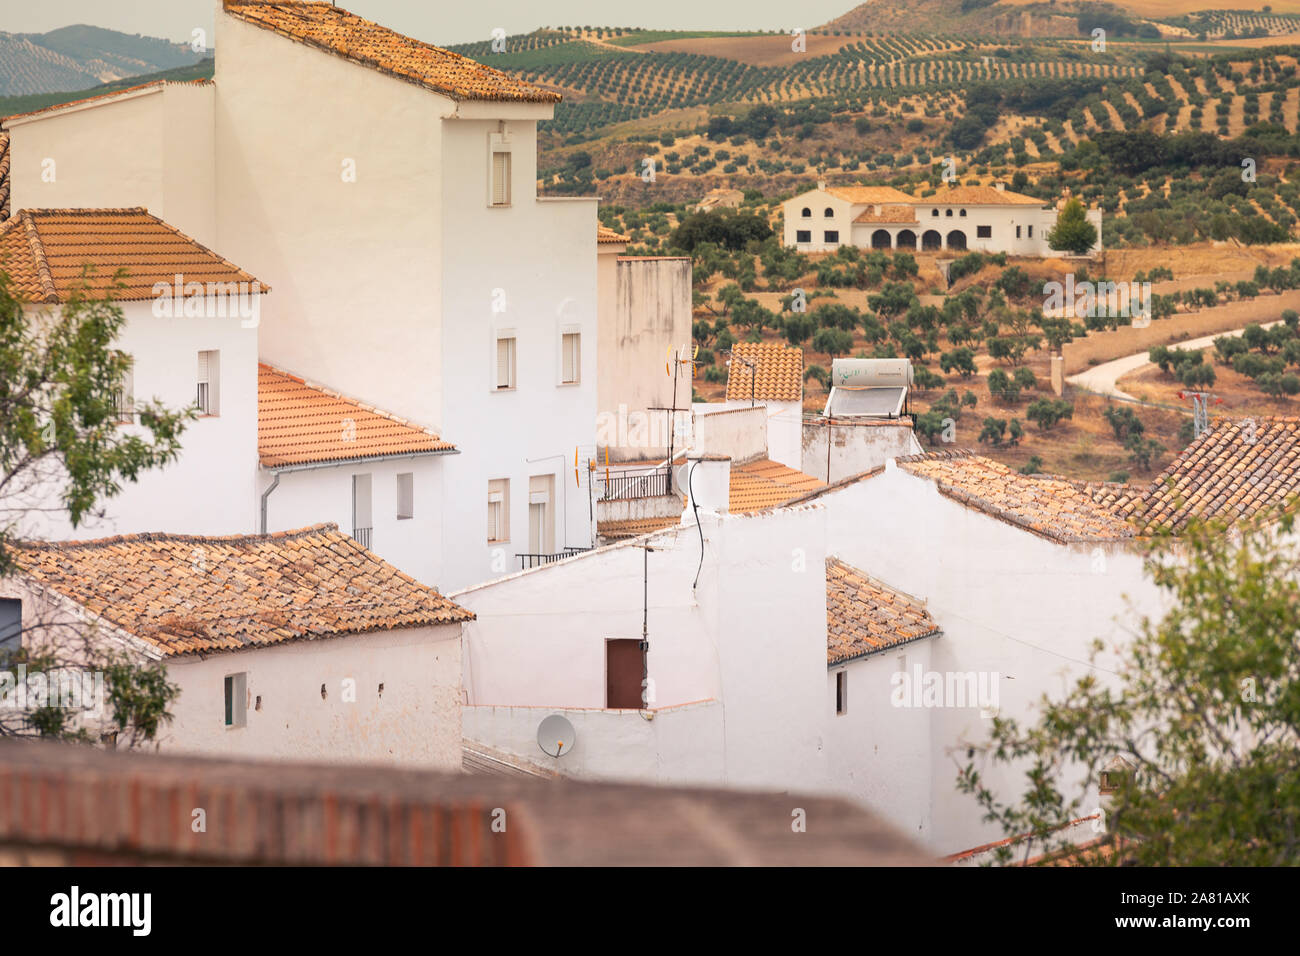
[4, 176]
[1055, 508]
[869, 194]
[634, 527]
[606, 234]
[1231, 472]
[891, 213]
[979, 196]
[186, 594]
[864, 617]
[354, 38]
[299, 423]
[45, 251]
[764, 484]
[777, 374]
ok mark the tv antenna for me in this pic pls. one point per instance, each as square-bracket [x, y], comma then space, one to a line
[1200, 410]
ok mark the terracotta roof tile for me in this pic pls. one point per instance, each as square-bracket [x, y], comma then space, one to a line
[870, 194]
[979, 196]
[888, 214]
[1055, 508]
[299, 423]
[4, 176]
[355, 38]
[1238, 468]
[606, 234]
[634, 527]
[45, 252]
[186, 594]
[777, 374]
[764, 484]
[864, 616]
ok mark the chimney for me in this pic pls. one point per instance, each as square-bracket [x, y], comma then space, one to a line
[706, 479]
[821, 184]
[1000, 186]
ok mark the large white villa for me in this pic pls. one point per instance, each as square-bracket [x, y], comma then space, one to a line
[983, 218]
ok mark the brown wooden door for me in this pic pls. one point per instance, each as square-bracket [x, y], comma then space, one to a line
[624, 671]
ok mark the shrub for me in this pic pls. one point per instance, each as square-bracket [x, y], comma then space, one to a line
[1046, 412]
[1003, 387]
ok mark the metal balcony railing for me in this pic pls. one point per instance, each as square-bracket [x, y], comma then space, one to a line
[624, 487]
[527, 561]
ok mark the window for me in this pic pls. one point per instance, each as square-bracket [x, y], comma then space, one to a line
[983, 232]
[1031, 232]
[405, 496]
[1017, 232]
[505, 361]
[803, 235]
[236, 700]
[209, 390]
[832, 235]
[500, 178]
[841, 693]
[361, 516]
[570, 357]
[948, 213]
[541, 514]
[1111, 780]
[624, 672]
[11, 624]
[124, 398]
[807, 213]
[962, 213]
[934, 212]
[828, 213]
[499, 510]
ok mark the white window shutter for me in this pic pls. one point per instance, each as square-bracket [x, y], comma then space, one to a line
[500, 179]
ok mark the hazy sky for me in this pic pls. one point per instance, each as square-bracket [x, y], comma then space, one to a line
[437, 21]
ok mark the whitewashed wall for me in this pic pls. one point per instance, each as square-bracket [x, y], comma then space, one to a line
[211, 488]
[152, 148]
[738, 433]
[752, 635]
[541, 255]
[414, 544]
[1007, 600]
[415, 722]
[645, 312]
[667, 745]
[877, 753]
[357, 264]
[855, 447]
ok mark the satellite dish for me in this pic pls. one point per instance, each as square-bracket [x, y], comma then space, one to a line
[555, 735]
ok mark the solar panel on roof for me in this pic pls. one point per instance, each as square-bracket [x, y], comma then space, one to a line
[879, 402]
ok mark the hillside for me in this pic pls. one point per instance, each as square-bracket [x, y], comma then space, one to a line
[9, 105]
[77, 57]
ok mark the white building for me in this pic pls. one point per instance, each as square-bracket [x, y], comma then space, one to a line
[956, 219]
[190, 330]
[643, 350]
[297, 645]
[387, 189]
[327, 457]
